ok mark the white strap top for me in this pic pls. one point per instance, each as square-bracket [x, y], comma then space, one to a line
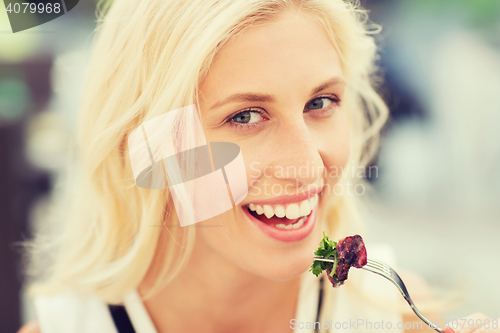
[344, 309]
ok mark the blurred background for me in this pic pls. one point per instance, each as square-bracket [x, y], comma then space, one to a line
[435, 198]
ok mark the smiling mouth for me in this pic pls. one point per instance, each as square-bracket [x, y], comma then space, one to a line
[286, 216]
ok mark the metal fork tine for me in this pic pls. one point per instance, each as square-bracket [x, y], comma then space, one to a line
[378, 264]
[378, 268]
[323, 259]
[372, 264]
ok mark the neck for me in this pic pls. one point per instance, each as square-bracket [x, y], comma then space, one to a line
[212, 294]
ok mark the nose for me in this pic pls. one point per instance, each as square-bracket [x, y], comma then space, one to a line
[296, 158]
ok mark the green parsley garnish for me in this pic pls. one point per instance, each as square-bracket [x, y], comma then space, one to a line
[327, 248]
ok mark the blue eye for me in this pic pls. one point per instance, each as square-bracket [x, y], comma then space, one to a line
[247, 117]
[319, 103]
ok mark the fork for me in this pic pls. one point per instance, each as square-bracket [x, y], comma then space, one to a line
[384, 270]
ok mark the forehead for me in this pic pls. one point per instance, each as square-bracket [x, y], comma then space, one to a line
[292, 52]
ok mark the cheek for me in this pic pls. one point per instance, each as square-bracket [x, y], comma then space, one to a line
[335, 146]
[253, 169]
[256, 164]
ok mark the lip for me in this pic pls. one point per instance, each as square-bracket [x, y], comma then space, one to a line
[285, 235]
[288, 199]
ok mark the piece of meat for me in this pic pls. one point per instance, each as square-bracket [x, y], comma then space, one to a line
[351, 251]
[332, 280]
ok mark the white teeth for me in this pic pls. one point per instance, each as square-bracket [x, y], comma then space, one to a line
[268, 211]
[299, 224]
[279, 211]
[305, 208]
[313, 201]
[292, 211]
[296, 225]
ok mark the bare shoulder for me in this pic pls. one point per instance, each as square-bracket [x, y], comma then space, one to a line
[31, 327]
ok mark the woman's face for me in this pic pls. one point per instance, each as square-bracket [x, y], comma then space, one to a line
[277, 91]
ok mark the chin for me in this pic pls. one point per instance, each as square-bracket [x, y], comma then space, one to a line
[285, 272]
[291, 274]
[281, 266]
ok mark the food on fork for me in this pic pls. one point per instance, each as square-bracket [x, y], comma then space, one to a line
[346, 253]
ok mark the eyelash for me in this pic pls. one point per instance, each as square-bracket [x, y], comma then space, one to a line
[244, 126]
[229, 120]
[333, 98]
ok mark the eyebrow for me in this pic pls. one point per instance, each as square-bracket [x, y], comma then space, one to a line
[332, 82]
[253, 97]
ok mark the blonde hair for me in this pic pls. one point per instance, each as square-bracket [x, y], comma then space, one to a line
[148, 58]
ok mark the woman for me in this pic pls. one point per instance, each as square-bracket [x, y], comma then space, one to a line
[289, 82]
